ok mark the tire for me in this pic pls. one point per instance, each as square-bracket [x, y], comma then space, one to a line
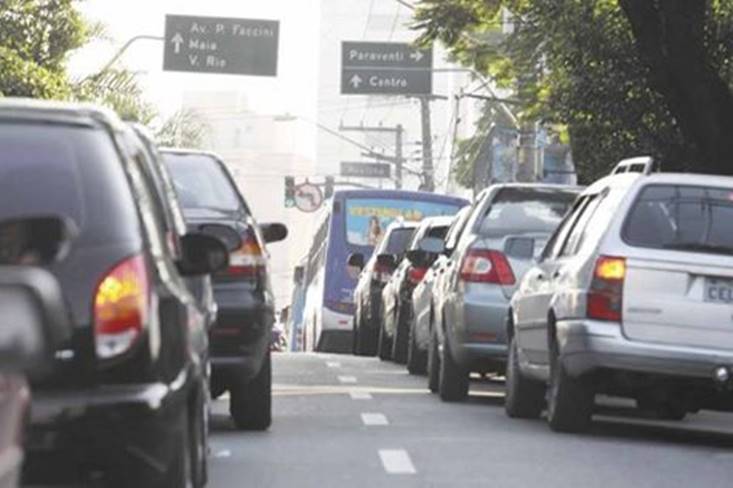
[365, 340]
[179, 472]
[417, 360]
[251, 403]
[384, 350]
[199, 442]
[453, 383]
[433, 364]
[400, 342]
[569, 400]
[355, 336]
[524, 397]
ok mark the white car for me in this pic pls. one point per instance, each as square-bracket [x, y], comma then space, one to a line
[631, 297]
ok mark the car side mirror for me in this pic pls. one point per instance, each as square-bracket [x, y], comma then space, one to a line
[354, 265]
[433, 245]
[387, 261]
[274, 232]
[33, 318]
[229, 236]
[202, 255]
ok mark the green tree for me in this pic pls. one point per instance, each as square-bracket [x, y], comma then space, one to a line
[182, 129]
[580, 63]
[35, 38]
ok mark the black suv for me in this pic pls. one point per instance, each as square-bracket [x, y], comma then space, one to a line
[123, 403]
[240, 339]
[374, 275]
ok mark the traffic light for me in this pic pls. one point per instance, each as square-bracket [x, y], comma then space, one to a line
[289, 192]
[328, 189]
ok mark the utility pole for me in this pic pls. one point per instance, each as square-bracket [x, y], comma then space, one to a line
[398, 159]
[427, 146]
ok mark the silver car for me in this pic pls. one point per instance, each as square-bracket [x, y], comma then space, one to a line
[508, 226]
[631, 297]
[423, 304]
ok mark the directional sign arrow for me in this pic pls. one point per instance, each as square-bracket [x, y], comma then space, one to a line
[417, 56]
[177, 41]
[356, 81]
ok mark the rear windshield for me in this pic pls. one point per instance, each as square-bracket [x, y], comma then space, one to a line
[687, 218]
[66, 171]
[398, 240]
[526, 210]
[201, 183]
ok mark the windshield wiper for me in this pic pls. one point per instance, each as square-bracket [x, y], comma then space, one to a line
[699, 246]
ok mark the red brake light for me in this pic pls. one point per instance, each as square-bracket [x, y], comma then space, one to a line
[121, 305]
[248, 261]
[605, 298]
[487, 266]
[416, 275]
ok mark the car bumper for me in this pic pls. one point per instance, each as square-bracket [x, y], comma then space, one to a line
[588, 345]
[112, 428]
[241, 336]
[482, 336]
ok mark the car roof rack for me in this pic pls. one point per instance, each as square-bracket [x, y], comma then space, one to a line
[641, 164]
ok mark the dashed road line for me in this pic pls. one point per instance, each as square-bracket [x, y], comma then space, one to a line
[374, 419]
[396, 461]
[360, 395]
[347, 379]
[333, 364]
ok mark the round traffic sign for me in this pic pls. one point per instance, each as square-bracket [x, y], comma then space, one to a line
[308, 197]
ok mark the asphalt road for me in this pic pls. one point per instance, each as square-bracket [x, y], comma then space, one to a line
[341, 421]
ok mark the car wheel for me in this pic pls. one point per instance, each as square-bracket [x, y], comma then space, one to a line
[355, 335]
[416, 359]
[366, 339]
[384, 350]
[400, 342]
[524, 397]
[251, 403]
[453, 383]
[433, 364]
[569, 400]
[180, 471]
[199, 442]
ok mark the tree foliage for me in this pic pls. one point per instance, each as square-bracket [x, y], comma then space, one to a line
[580, 63]
[35, 38]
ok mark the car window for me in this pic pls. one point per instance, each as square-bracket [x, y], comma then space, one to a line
[523, 210]
[690, 218]
[201, 183]
[577, 231]
[558, 238]
[398, 240]
[68, 171]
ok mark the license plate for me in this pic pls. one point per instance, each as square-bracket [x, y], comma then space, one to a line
[718, 290]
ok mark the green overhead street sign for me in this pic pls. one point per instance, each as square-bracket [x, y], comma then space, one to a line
[221, 45]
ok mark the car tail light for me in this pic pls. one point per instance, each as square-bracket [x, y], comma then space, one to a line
[121, 304]
[416, 275]
[247, 262]
[487, 266]
[605, 298]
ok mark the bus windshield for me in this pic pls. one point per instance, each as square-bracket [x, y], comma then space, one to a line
[368, 218]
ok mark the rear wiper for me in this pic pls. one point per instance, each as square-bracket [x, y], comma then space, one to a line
[698, 246]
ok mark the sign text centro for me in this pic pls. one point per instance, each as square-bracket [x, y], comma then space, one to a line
[221, 45]
[385, 68]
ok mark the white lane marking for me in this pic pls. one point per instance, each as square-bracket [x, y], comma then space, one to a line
[333, 364]
[396, 461]
[374, 419]
[360, 395]
[225, 453]
[347, 379]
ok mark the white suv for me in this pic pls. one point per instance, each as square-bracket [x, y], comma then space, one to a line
[631, 297]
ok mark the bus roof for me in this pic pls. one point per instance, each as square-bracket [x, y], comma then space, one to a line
[399, 195]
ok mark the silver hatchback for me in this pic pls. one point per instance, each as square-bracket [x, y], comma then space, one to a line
[631, 297]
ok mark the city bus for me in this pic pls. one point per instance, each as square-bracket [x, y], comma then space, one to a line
[352, 222]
